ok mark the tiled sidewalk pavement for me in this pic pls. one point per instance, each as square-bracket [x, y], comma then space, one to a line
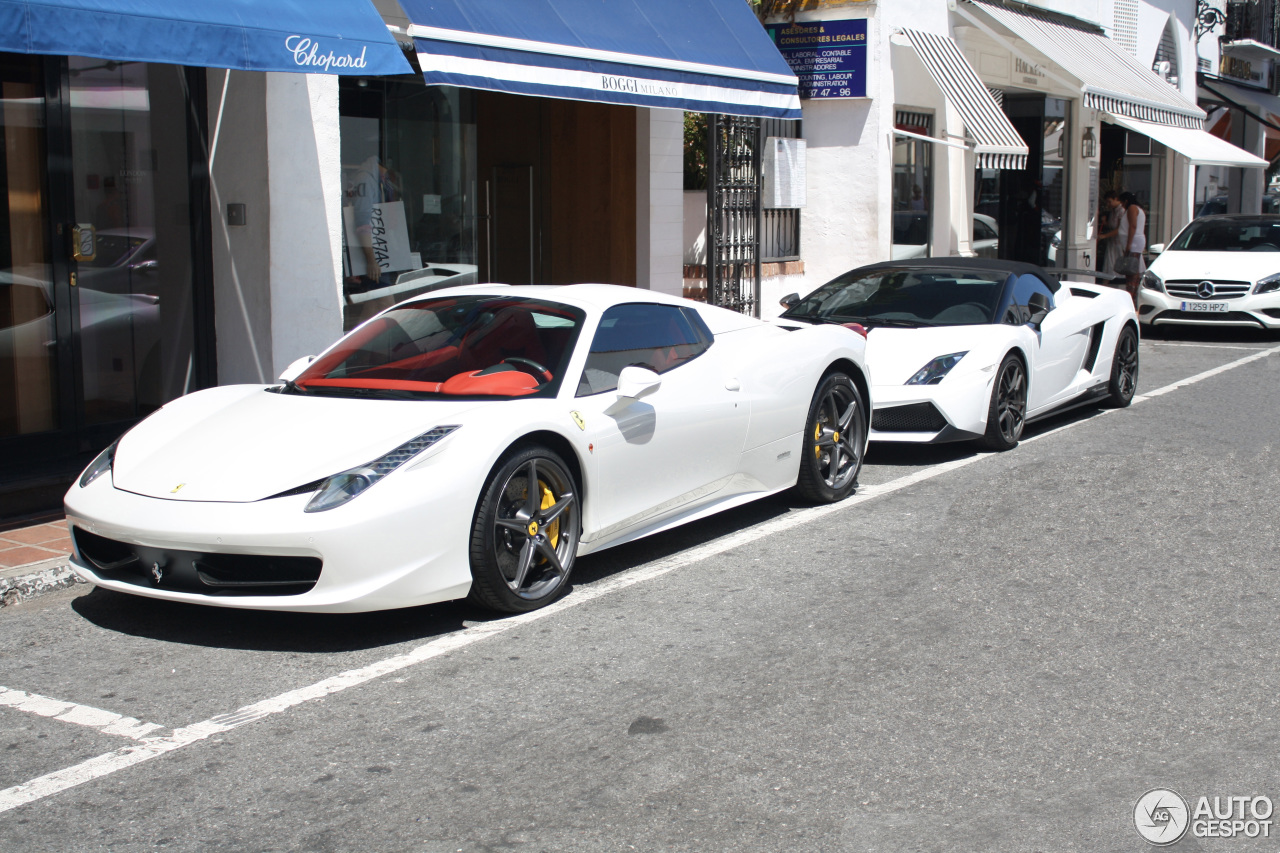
[33, 560]
[27, 546]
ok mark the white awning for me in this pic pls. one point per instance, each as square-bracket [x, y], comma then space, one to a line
[996, 143]
[1198, 146]
[1109, 78]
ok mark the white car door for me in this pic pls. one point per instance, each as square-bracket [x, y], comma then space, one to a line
[1058, 346]
[672, 447]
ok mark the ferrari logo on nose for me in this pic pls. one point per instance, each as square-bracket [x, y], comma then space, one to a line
[176, 488]
[533, 528]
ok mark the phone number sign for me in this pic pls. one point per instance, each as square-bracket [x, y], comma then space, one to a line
[829, 57]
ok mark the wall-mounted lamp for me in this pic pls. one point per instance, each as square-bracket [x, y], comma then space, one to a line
[1088, 145]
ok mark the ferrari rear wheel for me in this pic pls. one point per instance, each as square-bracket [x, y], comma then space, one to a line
[525, 534]
[1008, 412]
[835, 441]
[1124, 369]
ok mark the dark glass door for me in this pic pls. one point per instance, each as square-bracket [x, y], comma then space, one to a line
[98, 260]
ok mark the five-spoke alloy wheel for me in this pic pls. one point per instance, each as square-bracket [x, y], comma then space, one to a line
[835, 441]
[1124, 369]
[525, 534]
[1008, 412]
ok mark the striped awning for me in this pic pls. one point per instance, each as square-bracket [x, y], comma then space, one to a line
[996, 143]
[1200, 147]
[1109, 78]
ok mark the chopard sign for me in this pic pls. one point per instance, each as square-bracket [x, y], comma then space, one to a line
[306, 53]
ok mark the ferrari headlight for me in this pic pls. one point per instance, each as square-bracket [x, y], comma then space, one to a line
[341, 488]
[1270, 284]
[100, 465]
[1151, 281]
[934, 372]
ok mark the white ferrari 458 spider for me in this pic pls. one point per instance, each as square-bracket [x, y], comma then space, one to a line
[965, 348]
[470, 442]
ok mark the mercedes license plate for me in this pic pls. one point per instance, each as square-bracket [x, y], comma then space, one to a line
[1212, 307]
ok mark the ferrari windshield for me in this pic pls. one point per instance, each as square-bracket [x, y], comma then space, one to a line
[473, 345]
[1230, 235]
[930, 296]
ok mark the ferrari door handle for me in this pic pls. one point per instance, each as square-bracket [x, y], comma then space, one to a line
[732, 384]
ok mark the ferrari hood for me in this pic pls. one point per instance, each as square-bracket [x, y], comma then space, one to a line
[241, 443]
[1218, 266]
[895, 355]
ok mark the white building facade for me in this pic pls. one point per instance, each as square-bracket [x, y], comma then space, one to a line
[1101, 93]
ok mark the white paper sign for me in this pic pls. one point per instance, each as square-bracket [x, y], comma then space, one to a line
[390, 240]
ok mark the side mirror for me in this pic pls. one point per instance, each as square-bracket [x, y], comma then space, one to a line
[636, 382]
[791, 300]
[294, 370]
[1155, 248]
[1039, 307]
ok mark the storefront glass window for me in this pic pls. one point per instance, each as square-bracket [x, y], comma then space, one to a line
[28, 327]
[912, 192]
[409, 191]
[130, 174]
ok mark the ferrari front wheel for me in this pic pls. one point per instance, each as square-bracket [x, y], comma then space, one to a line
[835, 441]
[525, 533]
[1007, 413]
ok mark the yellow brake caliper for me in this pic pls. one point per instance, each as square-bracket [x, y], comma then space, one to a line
[817, 434]
[548, 501]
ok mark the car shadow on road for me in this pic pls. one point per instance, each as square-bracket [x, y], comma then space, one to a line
[261, 630]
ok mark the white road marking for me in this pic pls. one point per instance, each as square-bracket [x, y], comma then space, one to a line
[107, 722]
[1198, 346]
[153, 747]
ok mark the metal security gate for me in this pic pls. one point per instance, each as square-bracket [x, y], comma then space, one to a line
[733, 213]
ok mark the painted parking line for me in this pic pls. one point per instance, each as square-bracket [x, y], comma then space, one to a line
[107, 722]
[1199, 346]
[153, 747]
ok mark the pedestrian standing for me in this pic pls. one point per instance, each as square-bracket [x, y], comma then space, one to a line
[1109, 235]
[1133, 242]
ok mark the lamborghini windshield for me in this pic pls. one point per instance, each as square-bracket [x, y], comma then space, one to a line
[886, 296]
[473, 345]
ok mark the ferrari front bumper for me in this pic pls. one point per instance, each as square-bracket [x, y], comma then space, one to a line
[385, 549]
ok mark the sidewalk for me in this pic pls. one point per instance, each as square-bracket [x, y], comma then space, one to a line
[33, 560]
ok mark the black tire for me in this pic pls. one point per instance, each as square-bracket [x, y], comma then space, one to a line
[1124, 369]
[835, 441]
[522, 545]
[1007, 414]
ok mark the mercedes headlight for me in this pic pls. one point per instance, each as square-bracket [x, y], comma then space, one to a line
[933, 372]
[341, 488]
[1151, 281]
[100, 465]
[1270, 284]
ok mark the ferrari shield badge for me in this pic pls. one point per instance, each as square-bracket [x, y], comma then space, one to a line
[577, 419]
[176, 489]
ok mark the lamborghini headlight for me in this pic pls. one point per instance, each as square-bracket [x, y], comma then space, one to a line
[341, 488]
[1270, 284]
[1151, 281]
[934, 372]
[100, 465]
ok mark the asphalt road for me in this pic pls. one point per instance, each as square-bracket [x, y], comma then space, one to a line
[980, 652]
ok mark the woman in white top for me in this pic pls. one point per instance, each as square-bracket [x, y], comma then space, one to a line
[1133, 240]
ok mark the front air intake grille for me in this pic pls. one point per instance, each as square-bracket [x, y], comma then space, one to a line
[195, 571]
[1190, 289]
[916, 417]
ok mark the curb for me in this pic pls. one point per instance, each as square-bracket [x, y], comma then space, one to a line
[24, 587]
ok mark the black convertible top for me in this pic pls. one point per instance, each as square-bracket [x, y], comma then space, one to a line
[984, 264]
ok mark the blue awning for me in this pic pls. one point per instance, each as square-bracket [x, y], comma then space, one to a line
[697, 55]
[317, 36]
